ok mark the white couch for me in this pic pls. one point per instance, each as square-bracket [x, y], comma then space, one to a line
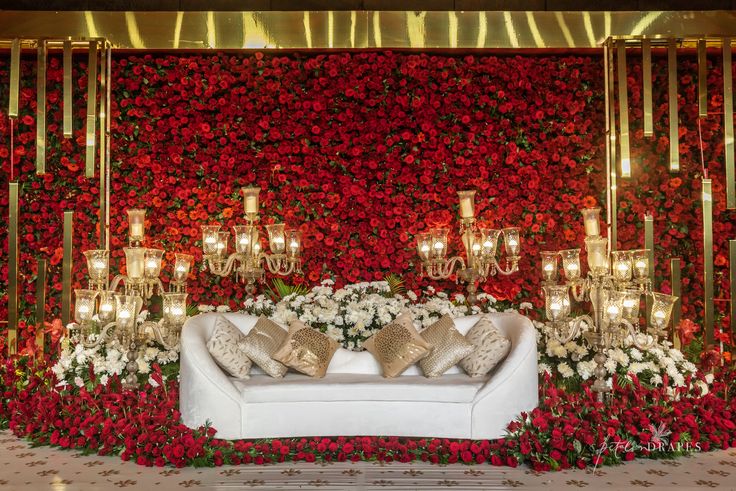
[353, 398]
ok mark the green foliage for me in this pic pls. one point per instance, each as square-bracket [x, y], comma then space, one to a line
[395, 284]
[279, 289]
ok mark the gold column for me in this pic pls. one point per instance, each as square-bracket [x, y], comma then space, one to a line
[41, 305]
[13, 269]
[646, 53]
[41, 109]
[66, 268]
[649, 246]
[702, 80]
[91, 109]
[14, 79]
[623, 110]
[732, 269]
[108, 165]
[675, 271]
[728, 125]
[708, 261]
[673, 114]
[68, 124]
[611, 163]
[103, 146]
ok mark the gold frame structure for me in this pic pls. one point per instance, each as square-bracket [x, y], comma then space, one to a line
[339, 30]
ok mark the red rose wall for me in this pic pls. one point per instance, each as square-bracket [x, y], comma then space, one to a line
[363, 150]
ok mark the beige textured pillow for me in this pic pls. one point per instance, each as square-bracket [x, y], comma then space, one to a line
[397, 346]
[261, 343]
[448, 347]
[490, 348]
[224, 347]
[306, 350]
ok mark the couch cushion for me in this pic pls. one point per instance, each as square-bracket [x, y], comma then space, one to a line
[224, 346]
[261, 343]
[295, 387]
[397, 346]
[306, 350]
[448, 347]
[491, 347]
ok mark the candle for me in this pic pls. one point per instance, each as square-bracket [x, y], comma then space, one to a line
[106, 307]
[488, 244]
[591, 226]
[613, 311]
[439, 245]
[279, 240]
[251, 204]
[100, 264]
[629, 303]
[244, 240]
[466, 207]
[180, 269]
[210, 240]
[572, 268]
[124, 314]
[151, 264]
[256, 248]
[136, 230]
[294, 245]
[548, 268]
[476, 247]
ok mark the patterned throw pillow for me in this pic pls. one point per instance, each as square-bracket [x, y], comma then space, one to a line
[224, 347]
[397, 346]
[306, 350]
[490, 348]
[448, 347]
[261, 343]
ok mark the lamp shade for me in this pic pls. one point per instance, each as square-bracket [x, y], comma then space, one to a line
[549, 265]
[182, 266]
[276, 238]
[571, 264]
[136, 225]
[134, 262]
[621, 266]
[250, 201]
[293, 242]
[153, 259]
[467, 203]
[84, 305]
[512, 241]
[439, 242]
[209, 239]
[98, 265]
[556, 302]
[175, 308]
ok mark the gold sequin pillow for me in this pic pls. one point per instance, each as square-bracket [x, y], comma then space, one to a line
[261, 343]
[397, 346]
[491, 347]
[306, 350]
[448, 347]
[224, 346]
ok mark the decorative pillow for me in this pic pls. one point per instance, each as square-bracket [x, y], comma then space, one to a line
[261, 343]
[490, 348]
[397, 346]
[306, 350]
[448, 347]
[224, 347]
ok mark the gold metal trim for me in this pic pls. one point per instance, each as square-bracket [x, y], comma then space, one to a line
[41, 305]
[41, 109]
[91, 110]
[675, 274]
[364, 29]
[732, 270]
[68, 123]
[708, 261]
[14, 78]
[13, 253]
[728, 125]
[646, 53]
[702, 79]
[103, 146]
[673, 111]
[108, 166]
[66, 268]
[649, 246]
[611, 177]
[623, 108]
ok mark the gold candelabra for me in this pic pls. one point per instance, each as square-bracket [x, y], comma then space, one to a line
[614, 286]
[249, 262]
[102, 314]
[480, 243]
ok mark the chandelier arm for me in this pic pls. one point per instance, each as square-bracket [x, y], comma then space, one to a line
[102, 337]
[449, 266]
[506, 272]
[116, 281]
[634, 335]
[275, 264]
[582, 286]
[155, 328]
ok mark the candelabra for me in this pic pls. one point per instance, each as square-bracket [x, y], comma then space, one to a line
[480, 244]
[102, 315]
[614, 286]
[249, 262]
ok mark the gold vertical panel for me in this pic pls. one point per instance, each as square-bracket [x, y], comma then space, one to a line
[702, 80]
[728, 125]
[609, 141]
[732, 269]
[673, 113]
[649, 246]
[14, 79]
[613, 233]
[41, 109]
[13, 268]
[646, 54]
[675, 271]
[108, 164]
[41, 304]
[103, 146]
[623, 108]
[66, 268]
[708, 260]
[91, 109]
[68, 89]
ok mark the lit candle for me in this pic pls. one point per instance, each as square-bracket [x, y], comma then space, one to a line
[279, 240]
[641, 267]
[210, 240]
[105, 307]
[136, 230]
[124, 314]
[613, 311]
[151, 264]
[591, 226]
[256, 248]
[658, 317]
[251, 204]
[629, 303]
[439, 246]
[476, 247]
[572, 268]
[100, 264]
[244, 240]
[548, 268]
[180, 269]
[488, 244]
[294, 245]
[83, 309]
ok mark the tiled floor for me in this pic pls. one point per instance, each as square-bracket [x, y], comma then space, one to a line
[25, 468]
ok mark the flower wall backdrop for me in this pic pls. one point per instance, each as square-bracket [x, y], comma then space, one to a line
[363, 149]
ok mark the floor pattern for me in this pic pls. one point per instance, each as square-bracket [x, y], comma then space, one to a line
[23, 467]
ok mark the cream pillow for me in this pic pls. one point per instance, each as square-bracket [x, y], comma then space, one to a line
[261, 343]
[490, 348]
[306, 350]
[224, 346]
[448, 347]
[397, 346]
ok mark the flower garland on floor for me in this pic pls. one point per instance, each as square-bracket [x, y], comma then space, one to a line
[567, 429]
